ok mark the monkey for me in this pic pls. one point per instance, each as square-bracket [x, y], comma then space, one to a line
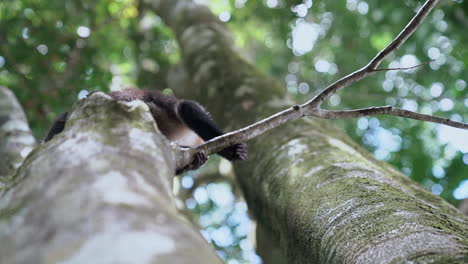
[183, 122]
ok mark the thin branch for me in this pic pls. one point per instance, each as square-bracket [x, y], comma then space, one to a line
[247, 133]
[70, 68]
[404, 34]
[312, 107]
[388, 110]
[374, 63]
[244, 134]
[404, 68]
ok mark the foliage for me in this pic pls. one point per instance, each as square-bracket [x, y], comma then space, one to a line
[52, 50]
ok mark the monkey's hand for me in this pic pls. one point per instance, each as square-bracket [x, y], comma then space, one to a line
[235, 152]
[199, 159]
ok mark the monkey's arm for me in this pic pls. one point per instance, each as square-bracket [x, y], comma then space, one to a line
[197, 119]
[57, 126]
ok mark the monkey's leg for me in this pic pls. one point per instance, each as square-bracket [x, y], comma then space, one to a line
[57, 126]
[197, 119]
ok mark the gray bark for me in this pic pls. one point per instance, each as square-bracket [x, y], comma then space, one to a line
[16, 140]
[99, 192]
[318, 196]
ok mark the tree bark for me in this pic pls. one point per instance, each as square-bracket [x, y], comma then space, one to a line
[317, 195]
[99, 192]
[16, 140]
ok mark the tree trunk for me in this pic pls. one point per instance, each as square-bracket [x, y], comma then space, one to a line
[99, 192]
[16, 137]
[317, 195]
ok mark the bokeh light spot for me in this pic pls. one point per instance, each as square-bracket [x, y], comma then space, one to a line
[83, 31]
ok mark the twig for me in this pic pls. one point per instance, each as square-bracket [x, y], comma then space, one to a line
[388, 110]
[404, 68]
[374, 63]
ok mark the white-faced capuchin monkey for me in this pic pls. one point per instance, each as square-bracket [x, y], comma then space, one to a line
[183, 122]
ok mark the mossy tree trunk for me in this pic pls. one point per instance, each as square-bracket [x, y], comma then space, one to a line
[318, 196]
[99, 192]
[16, 140]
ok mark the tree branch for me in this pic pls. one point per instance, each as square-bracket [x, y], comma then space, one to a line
[312, 107]
[404, 68]
[389, 110]
[374, 63]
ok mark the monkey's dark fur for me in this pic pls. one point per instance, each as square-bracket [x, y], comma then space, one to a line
[181, 121]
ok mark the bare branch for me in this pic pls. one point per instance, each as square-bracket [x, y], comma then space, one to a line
[249, 132]
[388, 110]
[404, 68]
[374, 63]
[404, 34]
[244, 134]
[312, 107]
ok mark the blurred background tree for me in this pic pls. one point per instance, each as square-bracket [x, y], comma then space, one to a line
[54, 52]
